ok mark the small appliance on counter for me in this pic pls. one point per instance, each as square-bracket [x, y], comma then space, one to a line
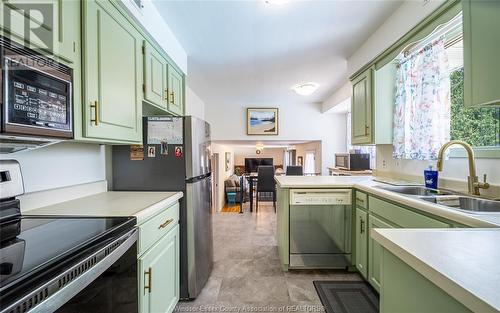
[352, 161]
[175, 156]
[63, 264]
[36, 98]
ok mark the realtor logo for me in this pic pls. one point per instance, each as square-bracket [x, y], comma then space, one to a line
[38, 24]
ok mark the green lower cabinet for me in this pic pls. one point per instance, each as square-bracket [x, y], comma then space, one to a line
[176, 91]
[375, 252]
[361, 242]
[404, 290]
[159, 275]
[113, 63]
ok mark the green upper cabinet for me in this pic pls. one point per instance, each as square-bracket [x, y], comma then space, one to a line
[175, 91]
[112, 105]
[361, 114]
[481, 25]
[54, 26]
[155, 77]
[361, 238]
[159, 275]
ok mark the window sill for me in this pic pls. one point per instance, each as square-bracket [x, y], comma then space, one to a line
[480, 153]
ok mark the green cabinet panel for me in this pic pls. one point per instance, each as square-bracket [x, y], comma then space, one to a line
[159, 275]
[176, 91]
[53, 26]
[361, 111]
[481, 22]
[155, 77]
[282, 217]
[361, 241]
[375, 252]
[112, 106]
[402, 217]
[405, 290]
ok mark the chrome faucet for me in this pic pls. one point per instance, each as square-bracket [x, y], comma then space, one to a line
[472, 181]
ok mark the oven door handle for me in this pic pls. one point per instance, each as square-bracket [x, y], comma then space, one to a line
[68, 284]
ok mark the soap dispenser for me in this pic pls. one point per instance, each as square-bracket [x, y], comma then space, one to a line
[431, 178]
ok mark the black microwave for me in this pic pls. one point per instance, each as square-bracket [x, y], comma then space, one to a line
[36, 94]
[353, 161]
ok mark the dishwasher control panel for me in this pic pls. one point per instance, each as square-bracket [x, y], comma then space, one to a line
[320, 197]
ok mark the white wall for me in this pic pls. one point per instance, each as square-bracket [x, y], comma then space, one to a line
[223, 174]
[60, 165]
[339, 96]
[296, 122]
[453, 169]
[240, 153]
[151, 19]
[194, 105]
[312, 146]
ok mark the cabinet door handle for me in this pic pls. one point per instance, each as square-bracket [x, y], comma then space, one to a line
[165, 95]
[95, 106]
[165, 224]
[361, 226]
[172, 98]
[366, 129]
[147, 287]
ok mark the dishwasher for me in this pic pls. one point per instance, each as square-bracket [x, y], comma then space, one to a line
[320, 228]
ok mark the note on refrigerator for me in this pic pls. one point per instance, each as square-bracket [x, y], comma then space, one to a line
[165, 129]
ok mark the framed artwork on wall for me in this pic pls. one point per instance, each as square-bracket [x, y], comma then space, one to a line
[228, 161]
[262, 121]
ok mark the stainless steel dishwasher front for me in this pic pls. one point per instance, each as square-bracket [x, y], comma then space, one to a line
[320, 228]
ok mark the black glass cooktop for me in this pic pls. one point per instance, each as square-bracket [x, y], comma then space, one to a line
[34, 245]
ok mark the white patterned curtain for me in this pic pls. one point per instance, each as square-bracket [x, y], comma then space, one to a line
[422, 106]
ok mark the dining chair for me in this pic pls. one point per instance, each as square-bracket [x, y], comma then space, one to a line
[265, 183]
[294, 170]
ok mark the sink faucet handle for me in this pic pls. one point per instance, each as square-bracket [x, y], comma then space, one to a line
[483, 184]
[484, 178]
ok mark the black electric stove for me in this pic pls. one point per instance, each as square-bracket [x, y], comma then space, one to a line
[66, 264]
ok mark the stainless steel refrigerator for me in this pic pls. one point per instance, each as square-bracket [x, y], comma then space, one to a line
[175, 156]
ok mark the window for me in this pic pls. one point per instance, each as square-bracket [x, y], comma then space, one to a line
[479, 127]
[310, 163]
[429, 103]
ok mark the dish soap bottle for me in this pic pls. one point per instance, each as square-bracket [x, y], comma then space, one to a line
[431, 178]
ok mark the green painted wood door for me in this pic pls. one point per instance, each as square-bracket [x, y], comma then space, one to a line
[375, 252]
[54, 26]
[176, 91]
[155, 77]
[481, 25]
[361, 115]
[361, 238]
[112, 74]
[159, 275]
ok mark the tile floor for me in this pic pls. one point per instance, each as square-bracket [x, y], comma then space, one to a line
[247, 276]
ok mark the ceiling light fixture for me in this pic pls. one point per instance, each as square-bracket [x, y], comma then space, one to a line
[276, 2]
[305, 89]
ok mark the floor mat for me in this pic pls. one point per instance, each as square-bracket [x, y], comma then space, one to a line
[231, 208]
[347, 297]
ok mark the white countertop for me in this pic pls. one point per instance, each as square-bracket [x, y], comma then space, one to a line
[367, 184]
[462, 262]
[142, 205]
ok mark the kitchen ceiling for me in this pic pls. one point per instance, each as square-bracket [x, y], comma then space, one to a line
[252, 52]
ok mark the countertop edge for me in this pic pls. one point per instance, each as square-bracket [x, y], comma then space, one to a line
[459, 293]
[420, 205]
[150, 211]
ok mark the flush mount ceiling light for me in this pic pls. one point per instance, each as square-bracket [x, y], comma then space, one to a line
[305, 89]
[276, 2]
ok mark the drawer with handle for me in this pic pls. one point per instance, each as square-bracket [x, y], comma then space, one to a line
[361, 200]
[156, 227]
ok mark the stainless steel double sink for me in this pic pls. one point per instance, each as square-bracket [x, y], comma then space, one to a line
[448, 198]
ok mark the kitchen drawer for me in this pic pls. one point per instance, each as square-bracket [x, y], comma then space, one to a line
[403, 217]
[361, 200]
[156, 227]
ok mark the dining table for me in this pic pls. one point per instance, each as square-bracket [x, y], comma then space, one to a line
[252, 179]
